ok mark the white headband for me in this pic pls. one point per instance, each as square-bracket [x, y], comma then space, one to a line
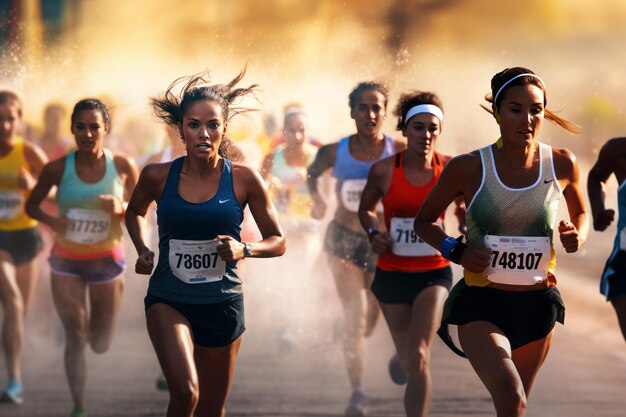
[495, 98]
[424, 108]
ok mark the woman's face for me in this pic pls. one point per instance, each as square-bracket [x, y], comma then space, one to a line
[369, 113]
[89, 130]
[295, 130]
[422, 132]
[9, 120]
[203, 128]
[521, 114]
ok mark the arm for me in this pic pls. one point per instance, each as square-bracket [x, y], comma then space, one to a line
[461, 177]
[324, 160]
[128, 171]
[149, 186]
[377, 185]
[36, 159]
[459, 202]
[596, 182]
[264, 213]
[50, 176]
[572, 233]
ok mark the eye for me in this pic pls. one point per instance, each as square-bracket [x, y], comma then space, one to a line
[192, 124]
[214, 125]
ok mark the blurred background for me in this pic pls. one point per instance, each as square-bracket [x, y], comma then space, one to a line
[314, 52]
[55, 52]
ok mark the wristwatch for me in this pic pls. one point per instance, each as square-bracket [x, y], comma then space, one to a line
[247, 250]
[371, 232]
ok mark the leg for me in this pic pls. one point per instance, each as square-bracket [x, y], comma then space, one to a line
[619, 304]
[215, 368]
[13, 309]
[372, 307]
[70, 301]
[529, 358]
[170, 334]
[27, 275]
[489, 352]
[349, 283]
[105, 301]
[425, 320]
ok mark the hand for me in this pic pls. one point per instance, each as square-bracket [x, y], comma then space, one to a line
[569, 236]
[476, 258]
[25, 180]
[145, 263]
[230, 249]
[60, 224]
[111, 204]
[318, 210]
[603, 219]
[381, 242]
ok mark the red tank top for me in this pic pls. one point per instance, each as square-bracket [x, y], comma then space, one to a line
[402, 201]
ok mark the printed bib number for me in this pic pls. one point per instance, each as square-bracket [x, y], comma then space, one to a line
[87, 226]
[404, 240]
[11, 203]
[518, 260]
[351, 191]
[196, 261]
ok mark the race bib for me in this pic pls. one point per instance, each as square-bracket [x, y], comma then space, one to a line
[196, 261]
[518, 260]
[87, 225]
[351, 191]
[11, 204]
[404, 240]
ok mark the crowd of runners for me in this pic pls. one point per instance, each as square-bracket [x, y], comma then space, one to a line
[200, 205]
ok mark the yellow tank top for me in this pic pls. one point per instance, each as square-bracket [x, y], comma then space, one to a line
[12, 198]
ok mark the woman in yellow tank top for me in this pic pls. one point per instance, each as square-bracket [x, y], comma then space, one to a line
[20, 241]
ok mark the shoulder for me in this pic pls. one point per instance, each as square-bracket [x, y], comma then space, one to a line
[465, 164]
[384, 165]
[613, 150]
[155, 173]
[563, 157]
[55, 168]
[123, 162]
[33, 152]
[244, 171]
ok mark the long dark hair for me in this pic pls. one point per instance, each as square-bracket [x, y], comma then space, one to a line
[170, 107]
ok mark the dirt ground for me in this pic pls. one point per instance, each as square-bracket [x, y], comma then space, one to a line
[291, 365]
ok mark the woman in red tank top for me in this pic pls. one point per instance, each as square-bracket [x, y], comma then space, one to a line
[412, 279]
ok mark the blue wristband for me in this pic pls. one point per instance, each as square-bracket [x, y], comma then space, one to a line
[447, 245]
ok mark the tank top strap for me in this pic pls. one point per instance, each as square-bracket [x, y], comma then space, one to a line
[547, 164]
[171, 184]
[399, 158]
[226, 182]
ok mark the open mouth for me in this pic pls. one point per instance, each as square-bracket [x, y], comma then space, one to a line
[203, 146]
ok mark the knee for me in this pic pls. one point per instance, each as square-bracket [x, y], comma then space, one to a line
[418, 359]
[511, 402]
[13, 307]
[185, 394]
[76, 337]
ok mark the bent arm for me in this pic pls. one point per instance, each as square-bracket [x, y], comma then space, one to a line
[265, 216]
[596, 186]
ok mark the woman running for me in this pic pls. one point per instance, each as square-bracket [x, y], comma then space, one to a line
[194, 305]
[412, 279]
[87, 259]
[350, 257]
[21, 163]
[611, 162]
[507, 303]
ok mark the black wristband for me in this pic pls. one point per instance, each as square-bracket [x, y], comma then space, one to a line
[371, 233]
[457, 251]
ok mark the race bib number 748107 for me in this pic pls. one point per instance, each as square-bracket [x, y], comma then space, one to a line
[518, 260]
